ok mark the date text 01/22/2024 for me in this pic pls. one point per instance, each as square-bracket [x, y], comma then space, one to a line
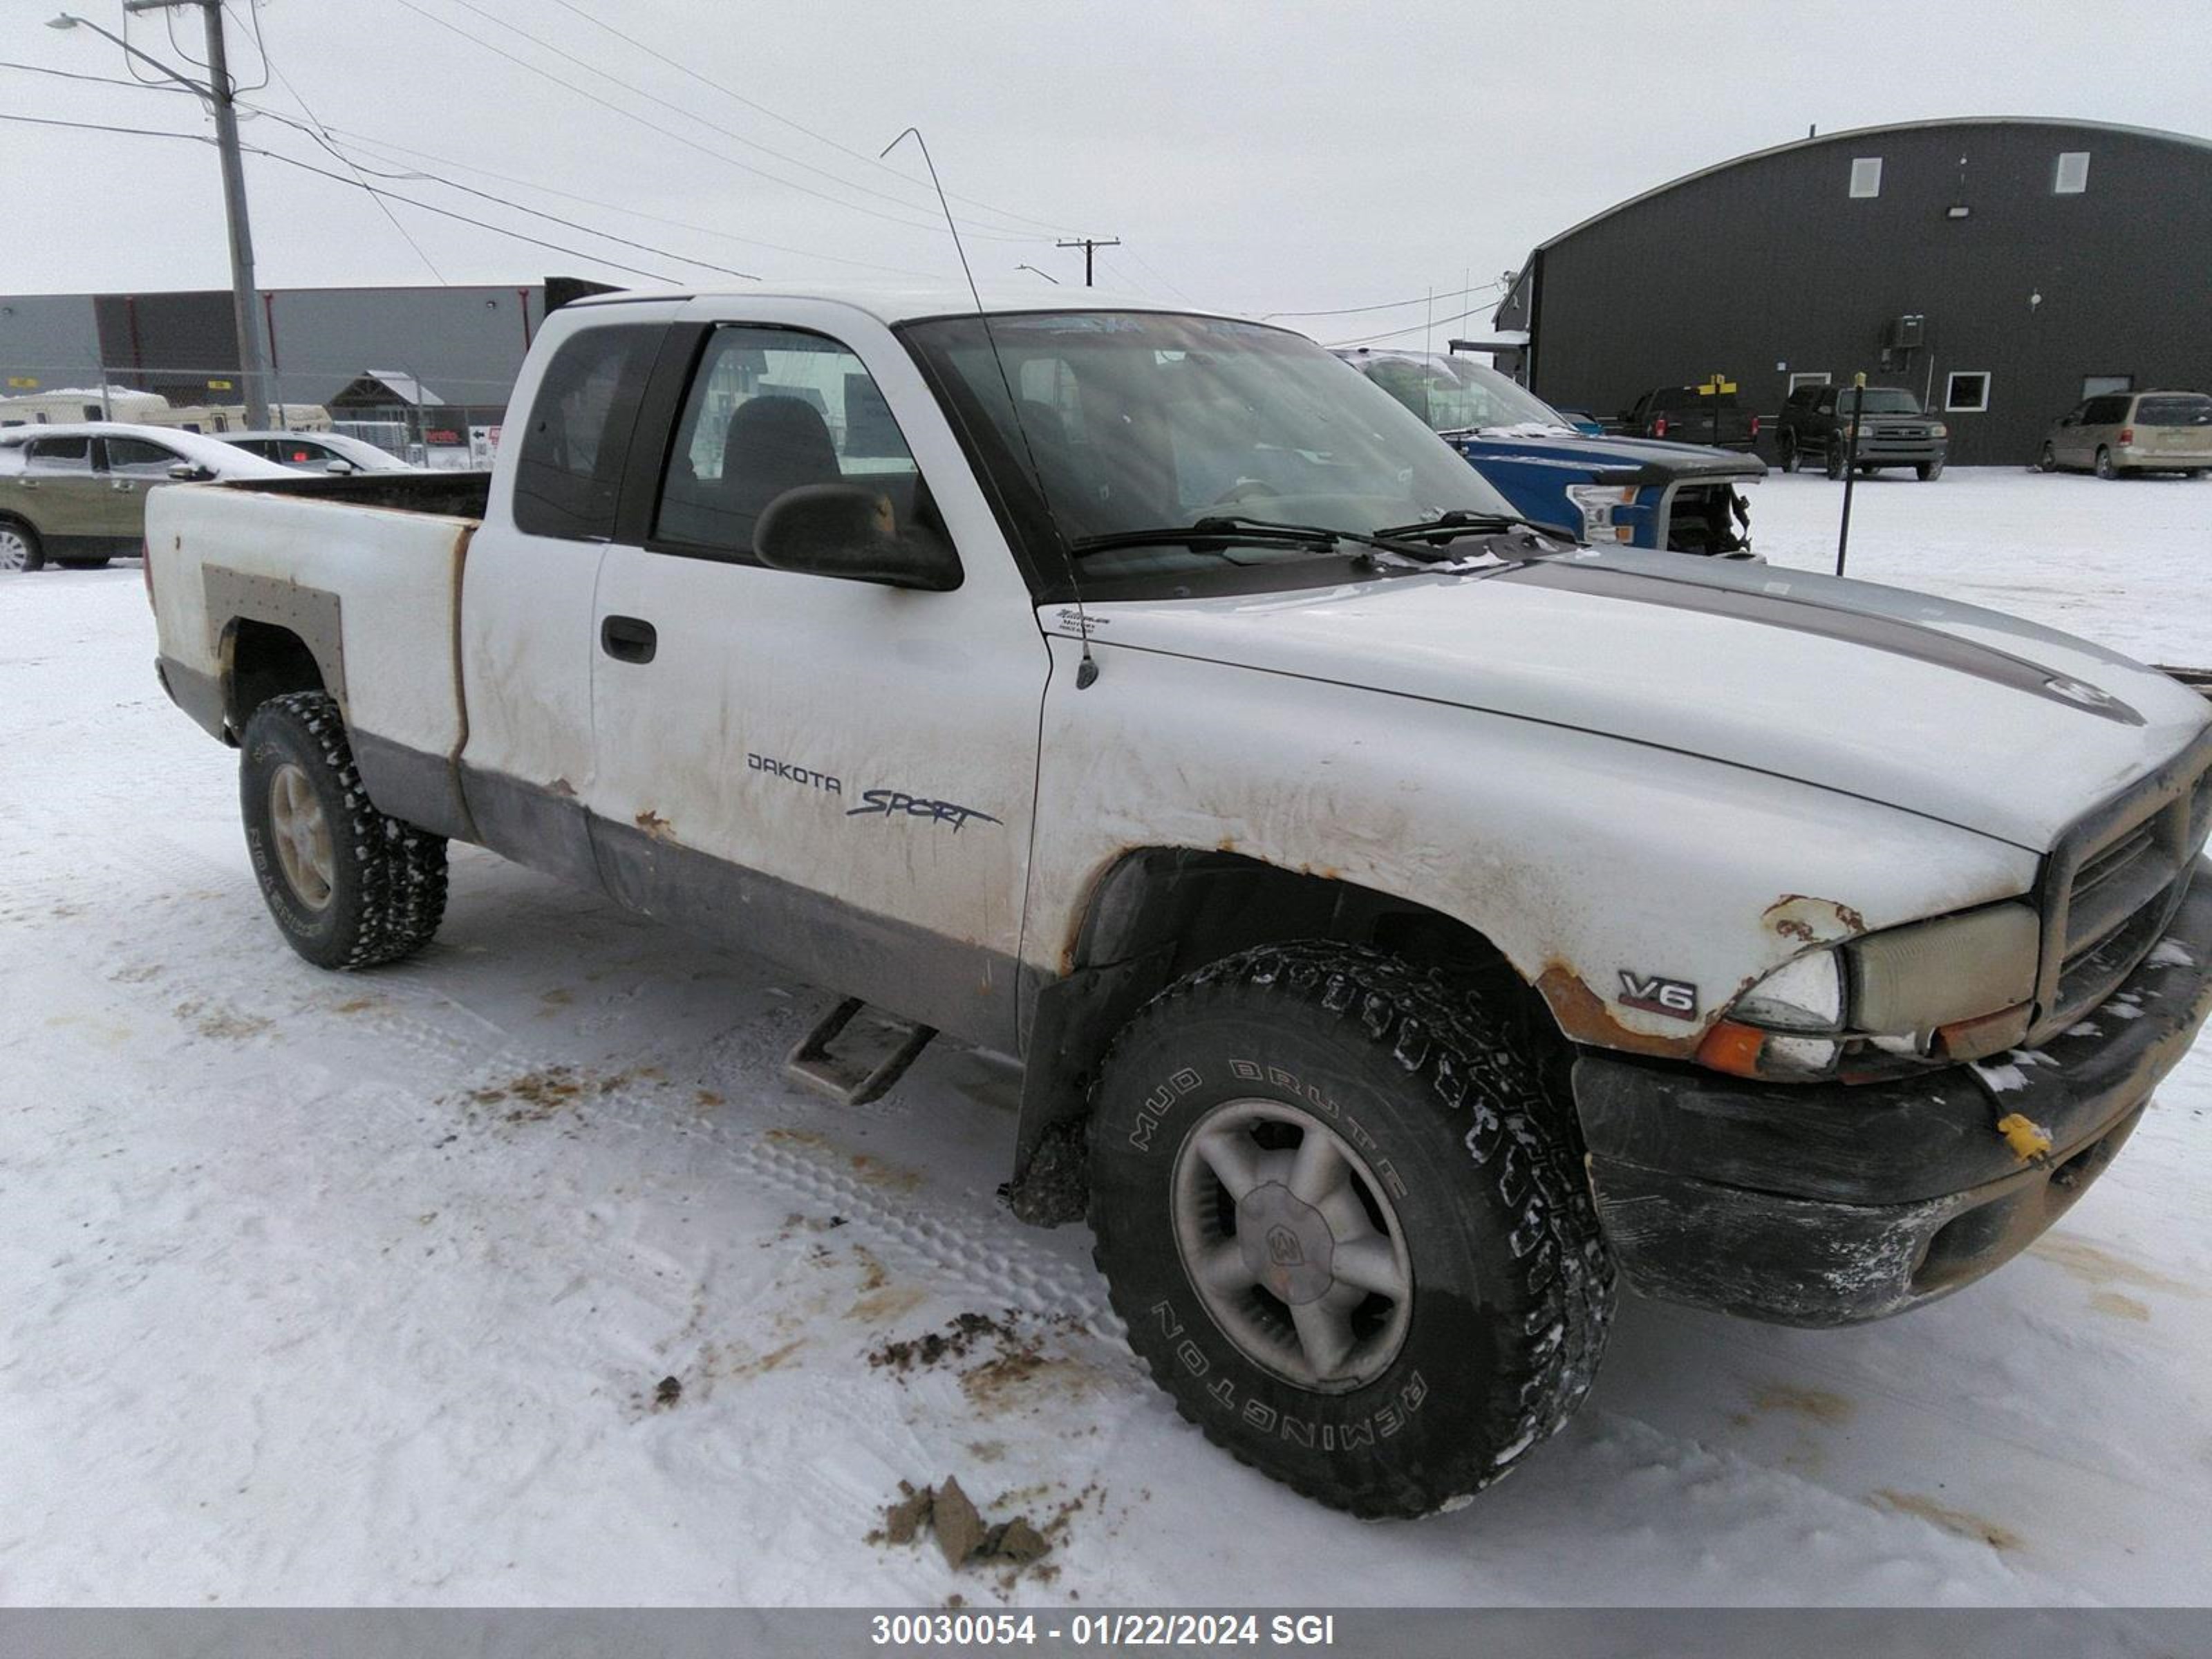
[1104, 1630]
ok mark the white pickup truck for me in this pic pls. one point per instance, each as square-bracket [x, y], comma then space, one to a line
[1404, 921]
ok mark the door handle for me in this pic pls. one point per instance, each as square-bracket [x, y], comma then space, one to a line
[123, 484]
[628, 639]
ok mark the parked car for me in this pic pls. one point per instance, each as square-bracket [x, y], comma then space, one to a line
[74, 493]
[318, 451]
[1403, 920]
[1587, 485]
[2125, 431]
[1892, 431]
[1690, 414]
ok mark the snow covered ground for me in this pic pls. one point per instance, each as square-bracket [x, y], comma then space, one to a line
[326, 1289]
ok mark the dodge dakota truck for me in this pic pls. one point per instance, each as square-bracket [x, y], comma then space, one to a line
[1409, 925]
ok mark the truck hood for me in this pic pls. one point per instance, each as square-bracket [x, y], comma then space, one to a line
[1640, 460]
[1967, 715]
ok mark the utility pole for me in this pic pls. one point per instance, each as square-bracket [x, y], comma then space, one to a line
[221, 94]
[1089, 245]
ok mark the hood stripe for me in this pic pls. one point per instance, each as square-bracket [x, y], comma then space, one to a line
[1827, 621]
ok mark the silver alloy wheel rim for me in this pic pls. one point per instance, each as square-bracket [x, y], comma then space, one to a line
[302, 835]
[14, 551]
[1292, 1245]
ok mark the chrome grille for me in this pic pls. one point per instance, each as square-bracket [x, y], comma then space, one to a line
[2115, 881]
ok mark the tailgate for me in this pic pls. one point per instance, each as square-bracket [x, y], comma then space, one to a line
[373, 592]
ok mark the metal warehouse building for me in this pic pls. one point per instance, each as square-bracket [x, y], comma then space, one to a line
[2001, 269]
[453, 352]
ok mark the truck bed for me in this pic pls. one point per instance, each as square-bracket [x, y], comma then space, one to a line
[232, 566]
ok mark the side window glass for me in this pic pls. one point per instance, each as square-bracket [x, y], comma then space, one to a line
[774, 410]
[140, 457]
[61, 455]
[569, 475]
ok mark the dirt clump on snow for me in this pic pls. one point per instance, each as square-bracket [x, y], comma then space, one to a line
[965, 1538]
[961, 1334]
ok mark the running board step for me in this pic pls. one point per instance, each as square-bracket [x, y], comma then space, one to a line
[881, 1047]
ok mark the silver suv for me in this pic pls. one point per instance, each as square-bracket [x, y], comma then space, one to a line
[2124, 432]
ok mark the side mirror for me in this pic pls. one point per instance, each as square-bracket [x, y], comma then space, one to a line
[186, 472]
[339, 467]
[845, 530]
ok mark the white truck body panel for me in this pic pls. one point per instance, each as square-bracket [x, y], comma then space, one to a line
[399, 574]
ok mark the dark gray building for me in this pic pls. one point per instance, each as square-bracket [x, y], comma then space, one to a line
[463, 344]
[2001, 269]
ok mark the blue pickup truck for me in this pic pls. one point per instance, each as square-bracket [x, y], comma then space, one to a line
[1595, 488]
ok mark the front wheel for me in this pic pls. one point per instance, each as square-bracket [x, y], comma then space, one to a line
[1838, 463]
[349, 887]
[1928, 471]
[2048, 460]
[1343, 1218]
[1786, 448]
[20, 548]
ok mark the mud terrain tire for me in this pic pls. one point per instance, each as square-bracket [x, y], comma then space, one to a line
[374, 890]
[1437, 1091]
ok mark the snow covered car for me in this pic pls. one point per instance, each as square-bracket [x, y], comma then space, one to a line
[75, 494]
[318, 451]
[1406, 922]
[1568, 474]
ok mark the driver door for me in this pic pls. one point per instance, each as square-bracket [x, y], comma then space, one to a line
[837, 774]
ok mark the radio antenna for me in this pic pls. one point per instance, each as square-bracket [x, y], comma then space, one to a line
[1087, 671]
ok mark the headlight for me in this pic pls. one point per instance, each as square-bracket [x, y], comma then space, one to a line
[1929, 993]
[1939, 430]
[1597, 504]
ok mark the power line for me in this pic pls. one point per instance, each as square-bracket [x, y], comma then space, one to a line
[385, 150]
[103, 80]
[353, 184]
[268, 68]
[763, 109]
[668, 132]
[1393, 305]
[1441, 322]
[591, 67]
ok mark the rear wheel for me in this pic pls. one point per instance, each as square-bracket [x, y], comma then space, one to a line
[1343, 1218]
[1839, 462]
[349, 887]
[2048, 460]
[19, 549]
[2105, 468]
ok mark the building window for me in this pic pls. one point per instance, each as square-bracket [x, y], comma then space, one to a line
[2072, 177]
[1967, 392]
[2097, 385]
[1796, 380]
[1866, 176]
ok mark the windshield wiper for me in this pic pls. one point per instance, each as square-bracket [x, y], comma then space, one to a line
[1224, 530]
[1457, 522]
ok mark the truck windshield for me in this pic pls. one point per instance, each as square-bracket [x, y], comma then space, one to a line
[1141, 421]
[1451, 394]
[1880, 400]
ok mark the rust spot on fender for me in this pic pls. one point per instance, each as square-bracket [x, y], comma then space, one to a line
[655, 825]
[1586, 1017]
[1811, 921]
[564, 788]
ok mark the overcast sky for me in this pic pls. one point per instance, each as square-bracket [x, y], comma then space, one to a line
[1267, 158]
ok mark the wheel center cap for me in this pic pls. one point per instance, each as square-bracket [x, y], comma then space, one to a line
[1287, 1245]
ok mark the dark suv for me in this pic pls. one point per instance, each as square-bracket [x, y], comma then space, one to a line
[1893, 431]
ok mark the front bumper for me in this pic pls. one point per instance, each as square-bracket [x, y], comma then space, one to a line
[1830, 1204]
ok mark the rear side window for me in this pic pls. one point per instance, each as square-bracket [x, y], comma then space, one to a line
[569, 475]
[61, 455]
[140, 457]
[2104, 411]
[2193, 410]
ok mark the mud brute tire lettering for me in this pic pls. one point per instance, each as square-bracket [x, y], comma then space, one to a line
[1344, 1222]
[349, 887]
